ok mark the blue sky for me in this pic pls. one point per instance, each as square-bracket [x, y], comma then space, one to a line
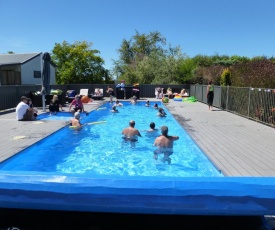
[206, 27]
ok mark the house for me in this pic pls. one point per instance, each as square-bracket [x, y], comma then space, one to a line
[23, 69]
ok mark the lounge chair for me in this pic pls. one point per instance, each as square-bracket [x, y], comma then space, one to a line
[98, 94]
[70, 96]
[84, 92]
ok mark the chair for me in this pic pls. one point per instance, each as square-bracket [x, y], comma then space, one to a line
[159, 92]
[71, 94]
[84, 92]
[98, 94]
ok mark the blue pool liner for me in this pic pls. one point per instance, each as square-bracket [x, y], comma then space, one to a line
[192, 196]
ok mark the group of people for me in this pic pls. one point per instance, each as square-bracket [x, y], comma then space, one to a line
[25, 111]
[164, 142]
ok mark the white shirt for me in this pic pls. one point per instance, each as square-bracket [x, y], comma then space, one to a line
[21, 109]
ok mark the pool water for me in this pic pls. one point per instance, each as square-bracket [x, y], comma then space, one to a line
[98, 149]
[53, 117]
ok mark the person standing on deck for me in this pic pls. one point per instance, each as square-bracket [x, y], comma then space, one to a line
[210, 95]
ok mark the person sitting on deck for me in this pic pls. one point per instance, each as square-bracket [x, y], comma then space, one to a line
[78, 105]
[170, 93]
[183, 93]
[55, 105]
[23, 111]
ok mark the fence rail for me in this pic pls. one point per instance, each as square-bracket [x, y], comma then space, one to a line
[10, 95]
[254, 103]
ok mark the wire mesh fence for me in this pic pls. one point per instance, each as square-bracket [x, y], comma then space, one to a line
[254, 103]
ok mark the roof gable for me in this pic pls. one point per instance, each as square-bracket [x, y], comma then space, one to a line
[12, 59]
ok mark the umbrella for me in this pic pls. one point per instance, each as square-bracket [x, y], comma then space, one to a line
[46, 73]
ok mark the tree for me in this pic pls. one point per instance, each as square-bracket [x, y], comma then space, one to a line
[78, 63]
[258, 73]
[135, 53]
[144, 60]
[186, 69]
[225, 78]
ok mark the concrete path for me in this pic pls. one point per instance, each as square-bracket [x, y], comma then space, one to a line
[236, 145]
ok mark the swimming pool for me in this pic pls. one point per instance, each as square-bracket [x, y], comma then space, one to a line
[98, 149]
[124, 193]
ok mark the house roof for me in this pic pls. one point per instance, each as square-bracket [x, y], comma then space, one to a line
[12, 59]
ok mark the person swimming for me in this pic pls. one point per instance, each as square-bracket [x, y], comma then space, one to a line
[152, 127]
[161, 112]
[117, 103]
[114, 109]
[131, 133]
[164, 144]
[134, 100]
[156, 106]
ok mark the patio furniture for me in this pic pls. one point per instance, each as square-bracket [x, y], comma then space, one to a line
[98, 94]
[71, 94]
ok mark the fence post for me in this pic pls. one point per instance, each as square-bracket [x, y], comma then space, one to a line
[248, 107]
[227, 96]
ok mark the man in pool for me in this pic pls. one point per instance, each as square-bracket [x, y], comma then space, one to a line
[164, 144]
[131, 133]
[75, 122]
[152, 127]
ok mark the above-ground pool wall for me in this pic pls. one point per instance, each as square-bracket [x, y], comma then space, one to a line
[192, 196]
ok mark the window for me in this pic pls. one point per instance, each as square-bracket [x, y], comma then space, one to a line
[37, 74]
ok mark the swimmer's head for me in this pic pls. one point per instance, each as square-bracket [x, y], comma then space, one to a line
[152, 125]
[164, 130]
[132, 123]
[77, 115]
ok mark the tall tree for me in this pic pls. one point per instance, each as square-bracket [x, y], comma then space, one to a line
[144, 59]
[78, 63]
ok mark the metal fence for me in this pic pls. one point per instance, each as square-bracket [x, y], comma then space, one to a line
[254, 103]
[10, 95]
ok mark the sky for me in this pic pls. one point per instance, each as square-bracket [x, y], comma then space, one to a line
[199, 27]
